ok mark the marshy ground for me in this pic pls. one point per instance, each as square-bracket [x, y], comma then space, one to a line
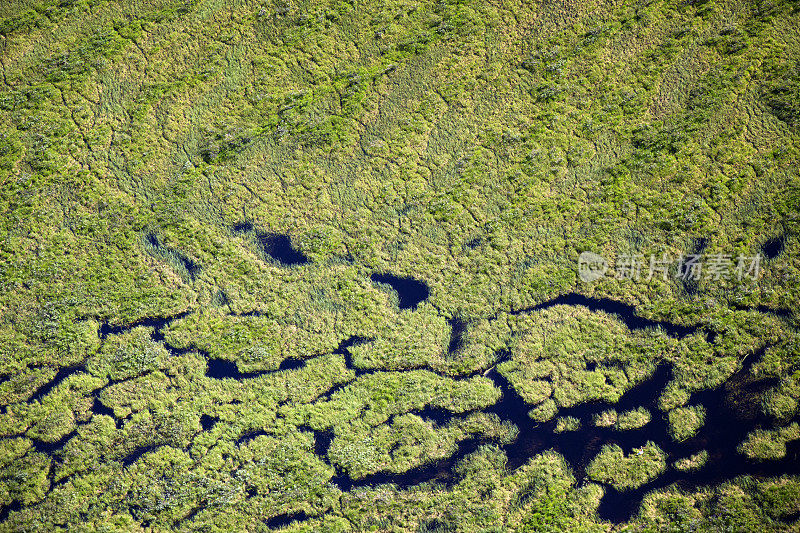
[314, 265]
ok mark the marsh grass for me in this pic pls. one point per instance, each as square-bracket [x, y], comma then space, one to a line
[477, 146]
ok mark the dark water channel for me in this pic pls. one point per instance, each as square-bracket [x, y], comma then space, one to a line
[726, 426]
[458, 330]
[728, 421]
[625, 312]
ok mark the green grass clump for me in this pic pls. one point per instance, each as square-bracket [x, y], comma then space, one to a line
[685, 421]
[781, 401]
[567, 423]
[544, 411]
[693, 462]
[767, 444]
[633, 419]
[606, 419]
[375, 397]
[128, 355]
[623, 472]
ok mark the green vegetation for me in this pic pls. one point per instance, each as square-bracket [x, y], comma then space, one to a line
[161, 371]
[128, 355]
[554, 373]
[613, 467]
[742, 505]
[633, 419]
[567, 423]
[606, 419]
[781, 401]
[685, 421]
[769, 443]
[693, 462]
[544, 411]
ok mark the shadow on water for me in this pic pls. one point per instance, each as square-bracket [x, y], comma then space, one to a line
[247, 437]
[223, 369]
[286, 519]
[99, 408]
[157, 323]
[274, 245]
[51, 448]
[60, 376]
[322, 442]
[410, 292]
[5, 510]
[344, 349]
[207, 422]
[137, 454]
[242, 227]
[291, 363]
[349, 342]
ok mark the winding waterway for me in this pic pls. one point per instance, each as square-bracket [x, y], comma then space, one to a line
[727, 423]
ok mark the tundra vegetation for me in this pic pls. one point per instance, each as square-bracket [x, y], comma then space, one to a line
[205, 206]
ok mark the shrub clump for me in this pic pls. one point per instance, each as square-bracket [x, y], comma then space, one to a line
[128, 355]
[633, 419]
[769, 443]
[685, 421]
[613, 467]
[693, 462]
